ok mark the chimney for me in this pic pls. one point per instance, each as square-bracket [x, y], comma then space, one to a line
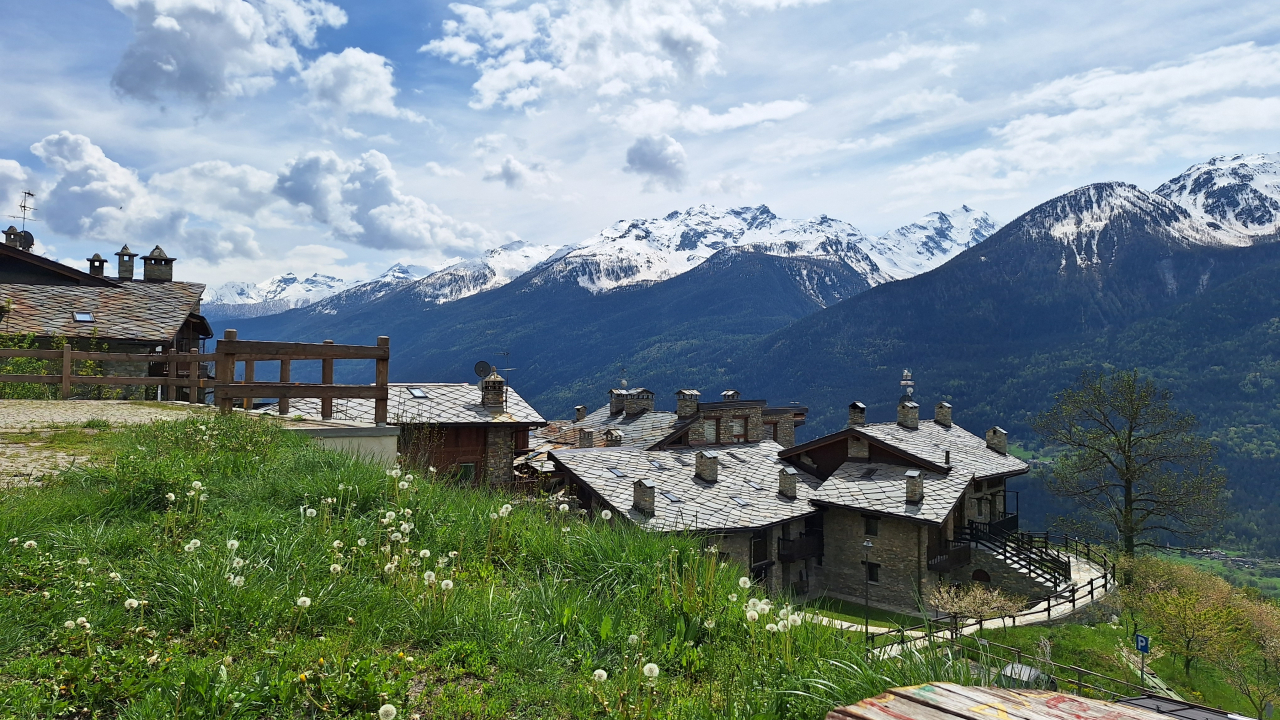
[493, 391]
[915, 487]
[97, 266]
[787, 481]
[942, 414]
[729, 395]
[857, 414]
[638, 401]
[579, 413]
[617, 401]
[613, 437]
[998, 440]
[909, 414]
[124, 269]
[858, 448]
[157, 267]
[707, 465]
[11, 236]
[687, 403]
[642, 496]
[586, 438]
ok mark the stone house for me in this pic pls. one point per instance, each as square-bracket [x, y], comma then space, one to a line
[473, 430]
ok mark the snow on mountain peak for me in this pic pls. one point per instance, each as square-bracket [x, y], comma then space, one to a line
[286, 288]
[1237, 196]
[930, 241]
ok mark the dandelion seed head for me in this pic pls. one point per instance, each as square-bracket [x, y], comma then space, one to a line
[233, 545]
[204, 496]
[771, 627]
[794, 620]
[191, 493]
[387, 712]
[733, 597]
[82, 561]
[406, 527]
[606, 515]
[633, 639]
[403, 485]
[396, 537]
[304, 602]
[195, 543]
[196, 485]
[424, 554]
[505, 510]
[453, 553]
[564, 529]
[82, 621]
[407, 513]
[237, 563]
[391, 515]
[238, 581]
[69, 624]
[389, 568]
[744, 583]
[446, 584]
[395, 473]
[337, 545]
[429, 577]
[493, 516]
[362, 542]
[30, 545]
[752, 616]
[311, 512]
[130, 604]
[710, 623]
[599, 676]
[564, 507]
[409, 478]
[170, 497]
[335, 568]
[651, 670]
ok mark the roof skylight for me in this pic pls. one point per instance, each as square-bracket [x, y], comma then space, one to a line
[418, 393]
[616, 472]
[754, 484]
[657, 465]
[740, 501]
[869, 472]
[82, 316]
[671, 497]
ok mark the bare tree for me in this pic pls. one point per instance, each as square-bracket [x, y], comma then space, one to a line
[1131, 461]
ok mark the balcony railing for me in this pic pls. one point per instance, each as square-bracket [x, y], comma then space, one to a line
[949, 557]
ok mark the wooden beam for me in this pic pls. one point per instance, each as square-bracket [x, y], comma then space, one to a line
[299, 390]
[326, 377]
[171, 389]
[66, 370]
[133, 357]
[226, 370]
[41, 354]
[193, 377]
[248, 378]
[283, 406]
[44, 379]
[381, 371]
[304, 351]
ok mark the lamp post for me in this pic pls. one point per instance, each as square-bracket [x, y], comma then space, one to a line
[866, 599]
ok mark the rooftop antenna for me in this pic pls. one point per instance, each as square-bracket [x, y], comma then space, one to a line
[26, 207]
[506, 358]
[908, 386]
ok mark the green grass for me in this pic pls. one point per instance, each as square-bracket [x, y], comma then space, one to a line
[857, 613]
[541, 599]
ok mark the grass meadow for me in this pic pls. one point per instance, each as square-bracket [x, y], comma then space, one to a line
[220, 567]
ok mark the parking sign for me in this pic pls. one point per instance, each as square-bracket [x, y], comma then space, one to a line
[1143, 642]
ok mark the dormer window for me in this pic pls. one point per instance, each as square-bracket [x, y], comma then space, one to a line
[418, 393]
[84, 317]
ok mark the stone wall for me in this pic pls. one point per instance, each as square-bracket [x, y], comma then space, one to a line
[784, 432]
[499, 455]
[899, 548]
[1003, 576]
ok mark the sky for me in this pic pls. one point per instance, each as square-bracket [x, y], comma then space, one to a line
[250, 138]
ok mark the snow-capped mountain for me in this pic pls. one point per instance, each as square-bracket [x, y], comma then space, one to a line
[495, 268]
[276, 294]
[1237, 196]
[930, 241]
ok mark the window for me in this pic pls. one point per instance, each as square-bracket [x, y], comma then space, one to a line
[82, 316]
[871, 525]
[467, 472]
[657, 465]
[671, 497]
[740, 501]
[418, 393]
[754, 484]
[709, 431]
[680, 459]
[770, 431]
[873, 572]
[616, 472]
[737, 430]
[736, 456]
[870, 472]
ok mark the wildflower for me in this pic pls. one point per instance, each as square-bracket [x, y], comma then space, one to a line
[13, 541]
[387, 712]
[170, 497]
[311, 512]
[341, 487]
[599, 676]
[391, 515]
[45, 594]
[196, 485]
[396, 537]
[794, 620]
[407, 513]
[82, 561]
[230, 576]
[606, 515]
[650, 670]
[237, 563]
[389, 568]
[453, 553]
[429, 577]
[191, 493]
[82, 621]
[406, 527]
[441, 562]
[204, 496]
[362, 542]
[753, 604]
[733, 597]
[505, 510]
[337, 544]
[238, 581]
[771, 627]
[233, 545]
[633, 639]
[409, 478]
[335, 568]
[564, 507]
[424, 554]
[195, 543]
[130, 604]
[431, 468]
[783, 613]
[744, 583]
[564, 529]
[493, 516]
[30, 544]
[446, 584]
[710, 623]
[304, 602]
[69, 624]
[752, 616]
[189, 547]
[403, 485]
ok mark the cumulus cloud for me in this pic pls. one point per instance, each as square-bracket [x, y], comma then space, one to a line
[789, 148]
[610, 47]
[486, 144]
[354, 82]
[13, 180]
[95, 197]
[516, 175]
[730, 184]
[362, 202]
[216, 188]
[660, 160]
[209, 50]
[438, 170]
[1112, 116]
[648, 117]
[917, 103]
[941, 57]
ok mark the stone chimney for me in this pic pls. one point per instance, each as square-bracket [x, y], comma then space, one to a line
[729, 395]
[97, 266]
[613, 437]
[638, 401]
[915, 487]
[579, 413]
[124, 267]
[642, 492]
[787, 481]
[11, 236]
[493, 391]
[998, 440]
[858, 448]
[909, 414]
[707, 465]
[942, 414]
[687, 403]
[617, 401]
[157, 267]
[857, 414]
[586, 438]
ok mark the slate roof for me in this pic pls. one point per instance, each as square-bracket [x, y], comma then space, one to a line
[148, 311]
[702, 505]
[640, 430]
[930, 441]
[445, 404]
[884, 491]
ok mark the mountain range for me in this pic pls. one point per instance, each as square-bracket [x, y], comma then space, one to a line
[1179, 282]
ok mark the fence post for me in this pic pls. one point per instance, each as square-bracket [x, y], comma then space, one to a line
[326, 378]
[66, 370]
[381, 370]
[282, 404]
[171, 389]
[193, 380]
[248, 377]
[226, 371]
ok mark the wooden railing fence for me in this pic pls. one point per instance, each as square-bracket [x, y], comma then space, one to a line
[172, 379]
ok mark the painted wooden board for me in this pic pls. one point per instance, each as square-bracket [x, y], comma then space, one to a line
[947, 701]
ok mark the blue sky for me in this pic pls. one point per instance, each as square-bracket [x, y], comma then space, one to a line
[253, 137]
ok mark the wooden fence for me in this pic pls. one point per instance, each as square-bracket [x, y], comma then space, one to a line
[183, 370]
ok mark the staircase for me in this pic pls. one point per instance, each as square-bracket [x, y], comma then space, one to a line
[1028, 554]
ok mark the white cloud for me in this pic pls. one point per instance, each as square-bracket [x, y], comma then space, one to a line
[354, 82]
[648, 117]
[515, 174]
[660, 160]
[1112, 116]
[941, 57]
[789, 148]
[976, 18]
[916, 103]
[361, 202]
[208, 50]
[486, 144]
[730, 184]
[608, 47]
[438, 170]
[13, 180]
[214, 188]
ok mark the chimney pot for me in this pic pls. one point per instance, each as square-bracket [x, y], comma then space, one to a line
[942, 414]
[998, 440]
[707, 465]
[124, 266]
[857, 414]
[613, 437]
[586, 438]
[787, 477]
[729, 395]
[579, 413]
[97, 266]
[637, 401]
[493, 391]
[915, 487]
[642, 496]
[157, 266]
[687, 403]
[617, 401]
[909, 414]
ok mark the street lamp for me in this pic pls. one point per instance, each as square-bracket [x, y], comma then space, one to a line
[866, 599]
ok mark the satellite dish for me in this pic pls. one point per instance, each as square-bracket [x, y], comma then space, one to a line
[483, 369]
